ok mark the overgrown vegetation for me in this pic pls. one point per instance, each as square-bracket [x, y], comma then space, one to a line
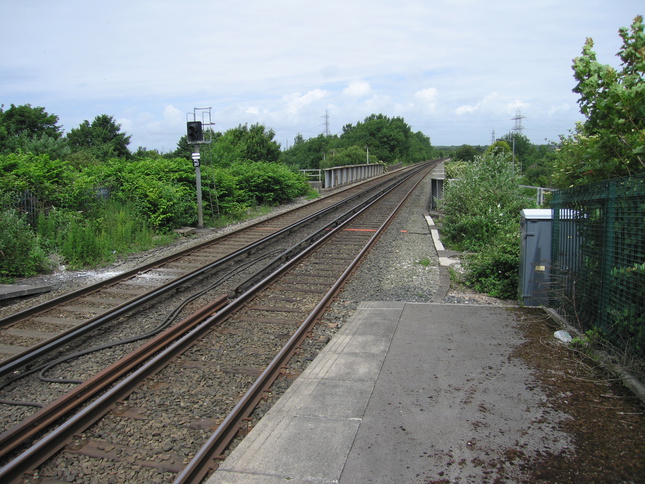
[603, 294]
[85, 199]
[610, 143]
[481, 212]
[93, 213]
[20, 252]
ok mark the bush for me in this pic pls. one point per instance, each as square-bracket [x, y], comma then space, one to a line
[81, 246]
[495, 269]
[163, 190]
[20, 252]
[221, 194]
[49, 180]
[90, 212]
[481, 215]
[268, 183]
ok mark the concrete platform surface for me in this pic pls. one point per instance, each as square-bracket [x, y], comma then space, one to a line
[9, 291]
[404, 392]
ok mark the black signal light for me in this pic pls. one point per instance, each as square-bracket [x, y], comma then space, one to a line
[194, 130]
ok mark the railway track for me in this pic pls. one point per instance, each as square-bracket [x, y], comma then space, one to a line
[159, 398]
[36, 327]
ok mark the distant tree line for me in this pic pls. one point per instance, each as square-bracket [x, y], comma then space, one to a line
[377, 139]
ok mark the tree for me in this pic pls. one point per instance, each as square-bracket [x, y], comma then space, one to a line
[354, 155]
[420, 148]
[102, 139]
[466, 153]
[256, 143]
[520, 145]
[502, 147]
[308, 154]
[143, 152]
[241, 144]
[20, 124]
[388, 139]
[611, 141]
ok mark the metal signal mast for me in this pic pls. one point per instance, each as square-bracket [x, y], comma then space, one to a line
[195, 136]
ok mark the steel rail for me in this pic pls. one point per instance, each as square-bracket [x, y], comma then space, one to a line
[55, 440]
[297, 248]
[32, 425]
[156, 263]
[205, 459]
[14, 363]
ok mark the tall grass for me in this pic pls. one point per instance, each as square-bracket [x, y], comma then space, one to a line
[113, 230]
[20, 252]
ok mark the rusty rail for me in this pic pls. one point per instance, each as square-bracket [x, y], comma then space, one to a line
[182, 340]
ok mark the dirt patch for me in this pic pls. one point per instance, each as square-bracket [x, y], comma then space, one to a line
[607, 420]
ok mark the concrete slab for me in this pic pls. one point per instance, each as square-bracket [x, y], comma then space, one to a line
[186, 231]
[449, 399]
[308, 433]
[404, 392]
[9, 291]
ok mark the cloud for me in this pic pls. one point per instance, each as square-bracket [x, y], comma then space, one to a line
[296, 102]
[516, 105]
[562, 108]
[357, 89]
[428, 97]
[161, 131]
[490, 103]
[285, 63]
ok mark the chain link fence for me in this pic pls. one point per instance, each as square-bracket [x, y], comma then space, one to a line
[598, 273]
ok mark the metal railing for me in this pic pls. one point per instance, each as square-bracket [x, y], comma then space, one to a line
[312, 174]
[599, 259]
[540, 193]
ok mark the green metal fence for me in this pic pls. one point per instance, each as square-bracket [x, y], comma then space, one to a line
[598, 273]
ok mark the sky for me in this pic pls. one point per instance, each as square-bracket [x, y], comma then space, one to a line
[456, 71]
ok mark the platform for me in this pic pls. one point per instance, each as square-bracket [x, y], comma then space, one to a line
[404, 392]
[9, 291]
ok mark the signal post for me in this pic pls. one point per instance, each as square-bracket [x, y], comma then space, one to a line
[195, 136]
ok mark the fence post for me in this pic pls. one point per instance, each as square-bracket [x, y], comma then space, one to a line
[609, 255]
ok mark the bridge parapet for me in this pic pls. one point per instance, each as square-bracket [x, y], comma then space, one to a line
[341, 175]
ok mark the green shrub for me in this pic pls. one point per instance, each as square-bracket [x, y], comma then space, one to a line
[20, 251]
[220, 193]
[483, 202]
[81, 246]
[49, 180]
[163, 190]
[268, 183]
[495, 269]
[481, 214]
